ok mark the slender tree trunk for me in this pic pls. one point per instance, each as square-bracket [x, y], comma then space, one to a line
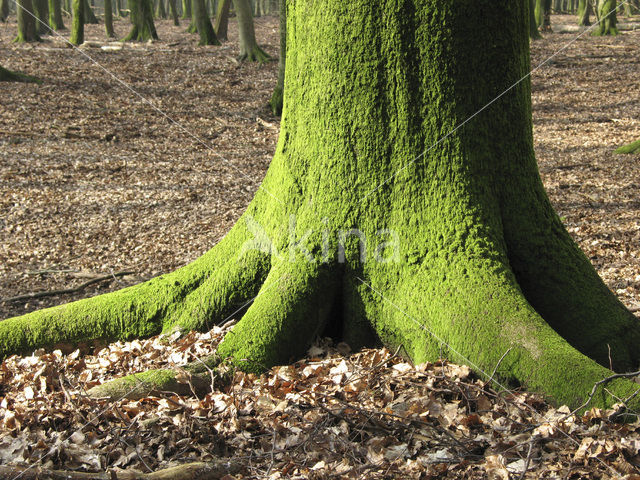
[277, 98]
[249, 49]
[186, 9]
[363, 228]
[27, 31]
[543, 15]
[222, 20]
[55, 15]
[142, 26]
[77, 22]
[174, 12]
[203, 24]
[534, 33]
[89, 16]
[4, 10]
[584, 12]
[607, 18]
[161, 12]
[108, 19]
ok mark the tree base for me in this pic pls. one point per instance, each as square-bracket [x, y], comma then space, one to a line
[256, 54]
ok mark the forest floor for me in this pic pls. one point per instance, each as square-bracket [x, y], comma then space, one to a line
[140, 158]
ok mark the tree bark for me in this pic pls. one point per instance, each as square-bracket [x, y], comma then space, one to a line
[607, 18]
[249, 49]
[584, 12]
[174, 12]
[222, 20]
[277, 97]
[142, 26]
[186, 9]
[89, 16]
[108, 19]
[4, 10]
[203, 24]
[534, 33]
[27, 31]
[41, 8]
[55, 15]
[77, 22]
[161, 12]
[393, 211]
[543, 15]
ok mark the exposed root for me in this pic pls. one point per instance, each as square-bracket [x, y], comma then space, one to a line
[9, 76]
[256, 54]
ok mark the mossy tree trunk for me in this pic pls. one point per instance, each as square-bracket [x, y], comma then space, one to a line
[203, 24]
[89, 16]
[55, 15]
[276, 98]
[27, 30]
[222, 20]
[633, 147]
[362, 228]
[584, 12]
[174, 12]
[108, 19]
[77, 22]
[607, 18]
[543, 15]
[249, 49]
[142, 26]
[534, 33]
[41, 8]
[186, 9]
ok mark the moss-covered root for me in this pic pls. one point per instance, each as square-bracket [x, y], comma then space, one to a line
[193, 379]
[9, 76]
[256, 54]
[633, 147]
[291, 309]
[477, 315]
[194, 297]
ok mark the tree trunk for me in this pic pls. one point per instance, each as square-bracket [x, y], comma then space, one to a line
[276, 98]
[203, 24]
[142, 26]
[393, 211]
[27, 30]
[186, 9]
[161, 12]
[584, 12]
[41, 8]
[4, 10]
[174, 12]
[249, 49]
[77, 22]
[55, 15]
[222, 20]
[543, 15]
[607, 19]
[534, 33]
[89, 16]
[108, 19]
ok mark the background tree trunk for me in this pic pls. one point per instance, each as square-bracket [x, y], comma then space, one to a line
[584, 11]
[77, 22]
[186, 9]
[174, 12]
[108, 19]
[89, 16]
[543, 15]
[4, 10]
[249, 49]
[222, 20]
[534, 33]
[27, 31]
[55, 15]
[161, 12]
[203, 24]
[41, 8]
[142, 26]
[607, 18]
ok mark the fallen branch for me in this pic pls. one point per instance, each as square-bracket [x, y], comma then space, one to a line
[189, 471]
[64, 291]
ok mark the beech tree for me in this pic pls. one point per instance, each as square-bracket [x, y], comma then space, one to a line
[249, 49]
[27, 29]
[543, 14]
[607, 18]
[142, 26]
[403, 205]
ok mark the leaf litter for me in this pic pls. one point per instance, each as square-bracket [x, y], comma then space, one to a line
[94, 181]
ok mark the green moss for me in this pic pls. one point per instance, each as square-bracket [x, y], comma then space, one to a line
[9, 76]
[633, 147]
